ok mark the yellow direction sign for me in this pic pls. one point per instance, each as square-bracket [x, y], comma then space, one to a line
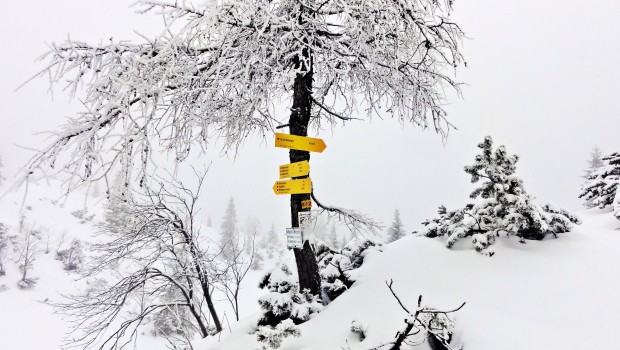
[294, 169]
[301, 143]
[293, 186]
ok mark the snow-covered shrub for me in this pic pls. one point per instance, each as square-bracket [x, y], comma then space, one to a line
[502, 207]
[273, 336]
[335, 266]
[27, 283]
[71, 257]
[284, 306]
[358, 329]
[601, 187]
[4, 240]
[81, 214]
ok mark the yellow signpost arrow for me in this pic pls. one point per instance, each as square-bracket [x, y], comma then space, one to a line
[301, 143]
[294, 169]
[293, 186]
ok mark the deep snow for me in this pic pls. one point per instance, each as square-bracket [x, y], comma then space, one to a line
[555, 294]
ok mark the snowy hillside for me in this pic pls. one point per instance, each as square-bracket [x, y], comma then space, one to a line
[552, 294]
[555, 294]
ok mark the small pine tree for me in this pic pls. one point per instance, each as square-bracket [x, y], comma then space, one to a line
[270, 242]
[396, 231]
[502, 206]
[600, 188]
[595, 162]
[284, 306]
[335, 266]
[228, 228]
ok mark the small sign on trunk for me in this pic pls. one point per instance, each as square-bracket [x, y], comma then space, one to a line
[293, 238]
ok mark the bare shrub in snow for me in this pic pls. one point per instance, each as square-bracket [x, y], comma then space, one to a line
[72, 257]
[237, 264]
[358, 329]
[425, 324]
[502, 206]
[27, 244]
[162, 267]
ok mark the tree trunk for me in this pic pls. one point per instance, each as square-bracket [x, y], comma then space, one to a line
[307, 266]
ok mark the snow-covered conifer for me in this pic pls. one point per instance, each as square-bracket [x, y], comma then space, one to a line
[336, 267]
[4, 240]
[228, 228]
[501, 206]
[595, 162]
[396, 230]
[599, 189]
[284, 306]
[270, 243]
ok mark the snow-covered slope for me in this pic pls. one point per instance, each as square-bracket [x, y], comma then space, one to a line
[555, 294]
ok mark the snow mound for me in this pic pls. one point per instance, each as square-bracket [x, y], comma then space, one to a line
[551, 294]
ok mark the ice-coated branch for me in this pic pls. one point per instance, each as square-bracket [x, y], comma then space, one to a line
[355, 221]
[218, 69]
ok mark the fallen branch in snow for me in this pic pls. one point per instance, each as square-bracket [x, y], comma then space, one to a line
[431, 324]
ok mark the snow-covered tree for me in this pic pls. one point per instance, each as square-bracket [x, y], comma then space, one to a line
[336, 266]
[616, 204]
[270, 243]
[284, 306]
[252, 232]
[159, 250]
[4, 241]
[72, 258]
[1, 177]
[601, 186]
[501, 207]
[28, 248]
[595, 161]
[396, 230]
[218, 68]
[229, 235]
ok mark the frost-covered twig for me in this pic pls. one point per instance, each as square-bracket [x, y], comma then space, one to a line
[355, 221]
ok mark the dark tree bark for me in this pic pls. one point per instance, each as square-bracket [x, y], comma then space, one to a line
[307, 266]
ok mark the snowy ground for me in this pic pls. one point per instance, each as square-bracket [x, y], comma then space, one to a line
[556, 294]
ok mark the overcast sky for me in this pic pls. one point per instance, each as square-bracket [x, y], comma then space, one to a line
[542, 79]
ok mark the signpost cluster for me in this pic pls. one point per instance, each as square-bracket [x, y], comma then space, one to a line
[295, 179]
